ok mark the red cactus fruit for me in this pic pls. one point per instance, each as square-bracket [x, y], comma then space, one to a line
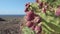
[57, 13]
[41, 5]
[44, 10]
[37, 1]
[27, 5]
[29, 23]
[38, 29]
[37, 20]
[33, 27]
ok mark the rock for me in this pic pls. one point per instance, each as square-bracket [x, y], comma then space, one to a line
[2, 19]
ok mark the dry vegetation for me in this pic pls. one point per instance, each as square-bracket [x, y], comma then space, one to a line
[11, 25]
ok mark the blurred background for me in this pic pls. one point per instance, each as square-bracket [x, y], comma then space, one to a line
[13, 7]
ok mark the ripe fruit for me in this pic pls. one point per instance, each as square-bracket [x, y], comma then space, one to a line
[57, 13]
[37, 20]
[37, 1]
[29, 18]
[33, 19]
[30, 13]
[26, 10]
[29, 23]
[44, 10]
[38, 29]
[27, 5]
[41, 5]
[33, 27]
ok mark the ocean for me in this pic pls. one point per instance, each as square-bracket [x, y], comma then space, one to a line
[11, 16]
[2, 16]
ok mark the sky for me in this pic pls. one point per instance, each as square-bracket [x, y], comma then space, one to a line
[13, 7]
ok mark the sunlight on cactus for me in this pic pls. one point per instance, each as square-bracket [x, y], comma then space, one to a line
[48, 12]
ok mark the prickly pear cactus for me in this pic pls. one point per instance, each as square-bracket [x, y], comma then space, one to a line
[42, 16]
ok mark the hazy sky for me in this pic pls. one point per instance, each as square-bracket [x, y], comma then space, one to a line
[8, 7]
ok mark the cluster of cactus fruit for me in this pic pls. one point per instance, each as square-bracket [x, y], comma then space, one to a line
[43, 15]
[32, 21]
